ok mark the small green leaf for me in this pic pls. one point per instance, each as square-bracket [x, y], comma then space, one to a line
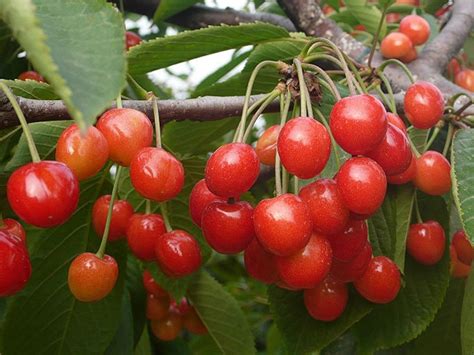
[467, 318]
[368, 15]
[168, 8]
[32, 89]
[431, 6]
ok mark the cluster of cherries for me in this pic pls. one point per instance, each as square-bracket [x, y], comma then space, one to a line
[460, 73]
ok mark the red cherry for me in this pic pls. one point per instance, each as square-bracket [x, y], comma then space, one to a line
[259, 263]
[392, 17]
[307, 267]
[267, 145]
[426, 242]
[410, 56]
[167, 329]
[362, 185]
[380, 282]
[178, 253]
[465, 79]
[416, 28]
[349, 243]
[193, 323]
[31, 75]
[182, 307]
[406, 176]
[44, 194]
[156, 174]
[142, 232]
[228, 227]
[326, 301]
[424, 104]
[454, 67]
[151, 286]
[85, 154]
[459, 270]
[304, 147]
[354, 269]
[282, 224]
[433, 173]
[358, 123]
[131, 39]
[127, 131]
[396, 121]
[13, 227]
[15, 267]
[121, 213]
[395, 45]
[199, 198]
[464, 250]
[157, 307]
[90, 278]
[232, 170]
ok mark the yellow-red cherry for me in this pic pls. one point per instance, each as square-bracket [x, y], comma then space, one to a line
[131, 39]
[151, 286]
[352, 270]
[142, 232]
[423, 104]
[459, 270]
[465, 79]
[157, 307]
[199, 198]
[31, 75]
[410, 56]
[433, 173]
[395, 45]
[193, 323]
[348, 244]
[169, 328]
[416, 28]
[426, 242]
[267, 145]
[13, 227]
[260, 264]
[405, 176]
[326, 301]
[463, 246]
[121, 213]
[15, 266]
[396, 121]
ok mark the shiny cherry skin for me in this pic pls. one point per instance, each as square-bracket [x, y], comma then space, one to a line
[91, 278]
[169, 328]
[416, 28]
[131, 39]
[15, 266]
[396, 121]
[157, 307]
[44, 194]
[177, 253]
[260, 264]
[193, 323]
[465, 79]
[199, 198]
[358, 123]
[31, 75]
[85, 154]
[405, 176]
[121, 213]
[13, 227]
[394, 153]
[326, 301]
[410, 56]
[362, 184]
[142, 232]
[151, 286]
[156, 174]
[328, 212]
[267, 145]
[463, 246]
[424, 104]
[232, 170]
[127, 131]
[426, 242]
[458, 269]
[433, 173]
[228, 227]
[282, 224]
[304, 147]
[349, 243]
[307, 267]
[395, 45]
[354, 269]
[380, 282]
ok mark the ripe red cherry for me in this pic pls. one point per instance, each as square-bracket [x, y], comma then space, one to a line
[426, 242]
[424, 104]
[304, 147]
[380, 282]
[433, 173]
[454, 67]
[416, 28]
[358, 123]
[31, 75]
[464, 250]
[151, 286]
[228, 227]
[326, 301]
[405, 176]
[90, 278]
[259, 263]
[85, 154]
[142, 232]
[354, 269]
[121, 213]
[396, 121]
[465, 79]
[349, 243]
[15, 267]
[13, 227]
[193, 323]
[167, 329]
[156, 174]
[410, 56]
[394, 153]
[395, 45]
[131, 39]
[157, 307]
[362, 185]
[199, 198]
[232, 170]
[178, 253]
[459, 270]
[44, 194]
[282, 224]
[267, 145]
[307, 267]
[127, 131]
[182, 307]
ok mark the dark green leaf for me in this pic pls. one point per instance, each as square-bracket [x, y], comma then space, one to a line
[32, 89]
[368, 15]
[203, 345]
[144, 345]
[122, 342]
[168, 8]
[176, 287]
[431, 6]
[467, 318]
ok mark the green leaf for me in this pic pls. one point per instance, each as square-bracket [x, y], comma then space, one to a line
[222, 316]
[419, 138]
[434, 27]
[72, 43]
[168, 8]
[144, 345]
[134, 284]
[122, 342]
[368, 15]
[467, 317]
[177, 287]
[32, 89]
[431, 6]
[203, 345]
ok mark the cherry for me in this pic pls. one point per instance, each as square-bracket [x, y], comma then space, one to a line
[304, 147]
[85, 154]
[405, 176]
[416, 28]
[396, 121]
[459, 270]
[156, 174]
[410, 56]
[151, 286]
[232, 170]
[199, 198]
[228, 227]
[465, 79]
[91, 278]
[44, 194]
[178, 253]
[259, 263]
[326, 301]
[354, 269]
[394, 153]
[157, 307]
[127, 131]
[13, 227]
[167, 329]
[392, 17]
[433, 173]
[142, 232]
[380, 282]
[282, 224]
[267, 145]
[358, 123]
[307, 267]
[31, 75]
[15, 266]
[328, 212]
[349, 243]
[426, 242]
[454, 67]
[464, 250]
[362, 185]
[131, 39]
[424, 104]
[121, 213]
[193, 323]
[395, 45]
[182, 307]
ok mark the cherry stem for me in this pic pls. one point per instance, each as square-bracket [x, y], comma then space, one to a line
[360, 85]
[2, 224]
[454, 98]
[118, 101]
[407, 71]
[392, 105]
[432, 138]
[302, 85]
[164, 214]
[333, 141]
[327, 80]
[250, 110]
[147, 206]
[24, 125]
[156, 117]
[384, 97]
[464, 107]
[449, 138]
[279, 183]
[376, 37]
[139, 89]
[296, 188]
[272, 96]
[417, 209]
